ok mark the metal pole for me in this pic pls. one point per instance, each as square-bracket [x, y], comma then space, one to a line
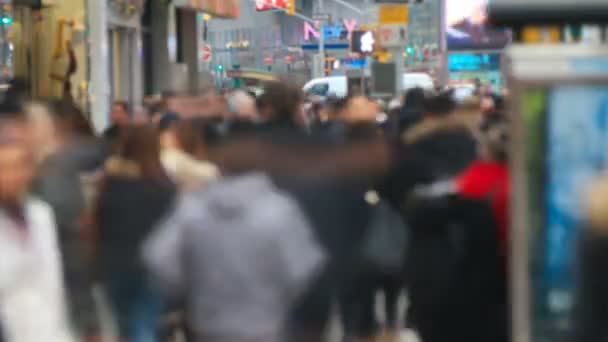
[399, 69]
[321, 10]
[444, 72]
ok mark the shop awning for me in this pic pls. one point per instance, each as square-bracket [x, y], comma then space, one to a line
[218, 8]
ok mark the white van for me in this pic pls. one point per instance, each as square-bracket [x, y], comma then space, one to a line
[327, 86]
[338, 85]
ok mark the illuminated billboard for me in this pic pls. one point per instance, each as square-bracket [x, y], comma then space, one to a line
[267, 5]
[467, 26]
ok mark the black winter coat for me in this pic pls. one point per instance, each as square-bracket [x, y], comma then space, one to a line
[428, 153]
[455, 275]
[129, 208]
[591, 310]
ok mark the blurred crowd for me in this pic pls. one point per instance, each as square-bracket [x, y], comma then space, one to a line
[229, 217]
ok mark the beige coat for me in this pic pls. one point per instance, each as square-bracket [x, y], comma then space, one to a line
[187, 172]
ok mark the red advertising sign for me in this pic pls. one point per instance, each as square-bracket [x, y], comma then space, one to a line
[267, 5]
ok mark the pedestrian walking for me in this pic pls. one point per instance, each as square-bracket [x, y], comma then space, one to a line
[184, 154]
[135, 195]
[32, 301]
[67, 153]
[240, 253]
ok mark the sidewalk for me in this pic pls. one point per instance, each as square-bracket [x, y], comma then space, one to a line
[335, 330]
[334, 334]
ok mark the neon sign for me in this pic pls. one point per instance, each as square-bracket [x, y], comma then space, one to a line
[329, 31]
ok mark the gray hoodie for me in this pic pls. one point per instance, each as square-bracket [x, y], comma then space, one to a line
[241, 252]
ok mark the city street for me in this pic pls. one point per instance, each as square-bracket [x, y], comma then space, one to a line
[271, 170]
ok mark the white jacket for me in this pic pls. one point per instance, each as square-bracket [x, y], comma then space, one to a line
[32, 296]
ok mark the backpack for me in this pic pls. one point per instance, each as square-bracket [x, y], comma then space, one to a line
[385, 244]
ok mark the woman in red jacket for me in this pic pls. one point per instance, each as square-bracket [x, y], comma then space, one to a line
[488, 177]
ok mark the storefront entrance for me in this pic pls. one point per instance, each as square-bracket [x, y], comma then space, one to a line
[123, 66]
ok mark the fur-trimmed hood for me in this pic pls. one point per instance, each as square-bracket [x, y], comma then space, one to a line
[444, 146]
[120, 167]
[432, 125]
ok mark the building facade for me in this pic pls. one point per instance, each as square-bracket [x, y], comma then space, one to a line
[285, 44]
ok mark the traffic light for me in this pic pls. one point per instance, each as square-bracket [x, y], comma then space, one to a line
[410, 49]
[6, 20]
[290, 7]
[219, 67]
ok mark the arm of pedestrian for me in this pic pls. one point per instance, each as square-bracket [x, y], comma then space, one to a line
[305, 160]
[437, 189]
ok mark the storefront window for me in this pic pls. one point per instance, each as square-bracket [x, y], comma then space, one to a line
[7, 29]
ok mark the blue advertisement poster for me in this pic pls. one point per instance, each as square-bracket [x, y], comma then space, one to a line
[576, 153]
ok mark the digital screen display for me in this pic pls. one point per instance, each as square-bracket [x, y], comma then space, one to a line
[564, 153]
[467, 26]
[473, 61]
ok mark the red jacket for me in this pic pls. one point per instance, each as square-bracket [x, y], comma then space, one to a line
[491, 181]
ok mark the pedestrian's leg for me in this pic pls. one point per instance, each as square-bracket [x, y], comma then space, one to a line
[368, 324]
[392, 287]
[120, 298]
[146, 314]
[311, 313]
[356, 300]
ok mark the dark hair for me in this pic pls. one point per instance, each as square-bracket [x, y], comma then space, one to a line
[191, 139]
[440, 104]
[157, 108]
[141, 145]
[414, 99]
[337, 105]
[282, 101]
[13, 100]
[19, 91]
[499, 102]
[11, 111]
[168, 121]
[209, 129]
[496, 139]
[70, 118]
